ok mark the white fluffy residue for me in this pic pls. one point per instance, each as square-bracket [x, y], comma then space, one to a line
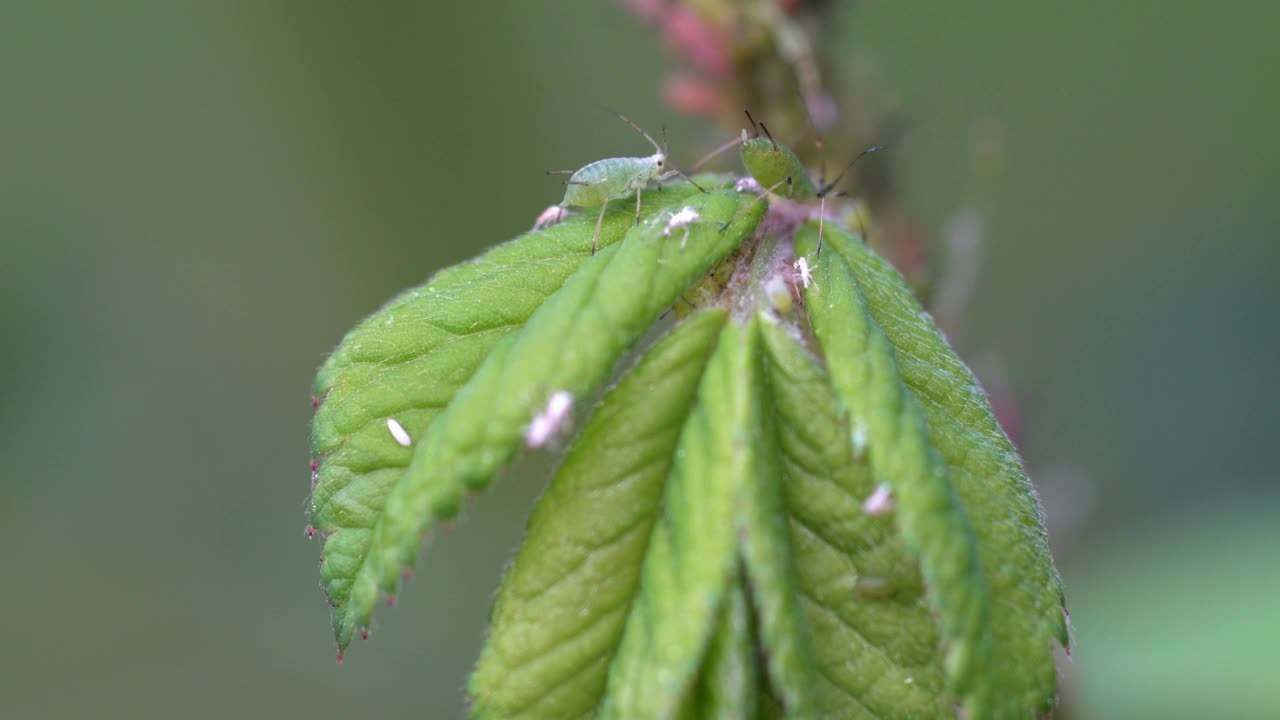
[806, 274]
[879, 502]
[551, 421]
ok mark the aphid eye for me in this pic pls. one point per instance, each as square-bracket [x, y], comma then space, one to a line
[659, 163]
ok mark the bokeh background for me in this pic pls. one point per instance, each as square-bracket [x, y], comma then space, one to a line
[198, 199]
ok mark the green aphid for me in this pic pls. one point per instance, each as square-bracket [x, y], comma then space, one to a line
[780, 172]
[771, 164]
[599, 182]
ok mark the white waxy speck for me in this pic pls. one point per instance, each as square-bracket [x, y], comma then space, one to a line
[747, 184]
[879, 502]
[858, 438]
[802, 267]
[550, 216]
[548, 423]
[681, 219]
[399, 433]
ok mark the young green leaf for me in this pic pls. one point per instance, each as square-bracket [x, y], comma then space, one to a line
[769, 567]
[406, 361]
[560, 611]
[1001, 504]
[874, 642]
[692, 558]
[729, 682]
[570, 345]
[963, 501]
[932, 519]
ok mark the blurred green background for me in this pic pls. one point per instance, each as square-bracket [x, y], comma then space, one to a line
[198, 199]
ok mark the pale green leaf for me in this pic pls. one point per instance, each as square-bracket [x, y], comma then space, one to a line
[769, 568]
[693, 556]
[570, 344]
[867, 384]
[729, 682]
[560, 612]
[963, 501]
[408, 359]
[875, 643]
[1002, 507]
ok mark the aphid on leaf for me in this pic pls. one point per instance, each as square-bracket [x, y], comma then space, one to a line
[613, 178]
[779, 171]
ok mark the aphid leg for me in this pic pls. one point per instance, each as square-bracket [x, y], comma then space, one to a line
[676, 170]
[751, 204]
[822, 194]
[561, 172]
[827, 188]
[822, 218]
[639, 189]
[672, 309]
[822, 162]
[595, 239]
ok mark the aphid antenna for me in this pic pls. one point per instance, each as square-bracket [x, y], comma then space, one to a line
[748, 206]
[637, 128]
[827, 188]
[822, 159]
[673, 165]
[822, 199]
[768, 134]
[717, 152]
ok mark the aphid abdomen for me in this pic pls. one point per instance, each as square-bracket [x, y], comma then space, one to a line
[770, 163]
[604, 180]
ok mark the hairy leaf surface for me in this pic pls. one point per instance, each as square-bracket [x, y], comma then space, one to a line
[408, 359]
[963, 500]
[559, 615]
[570, 344]
[692, 558]
[704, 549]
[875, 643]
